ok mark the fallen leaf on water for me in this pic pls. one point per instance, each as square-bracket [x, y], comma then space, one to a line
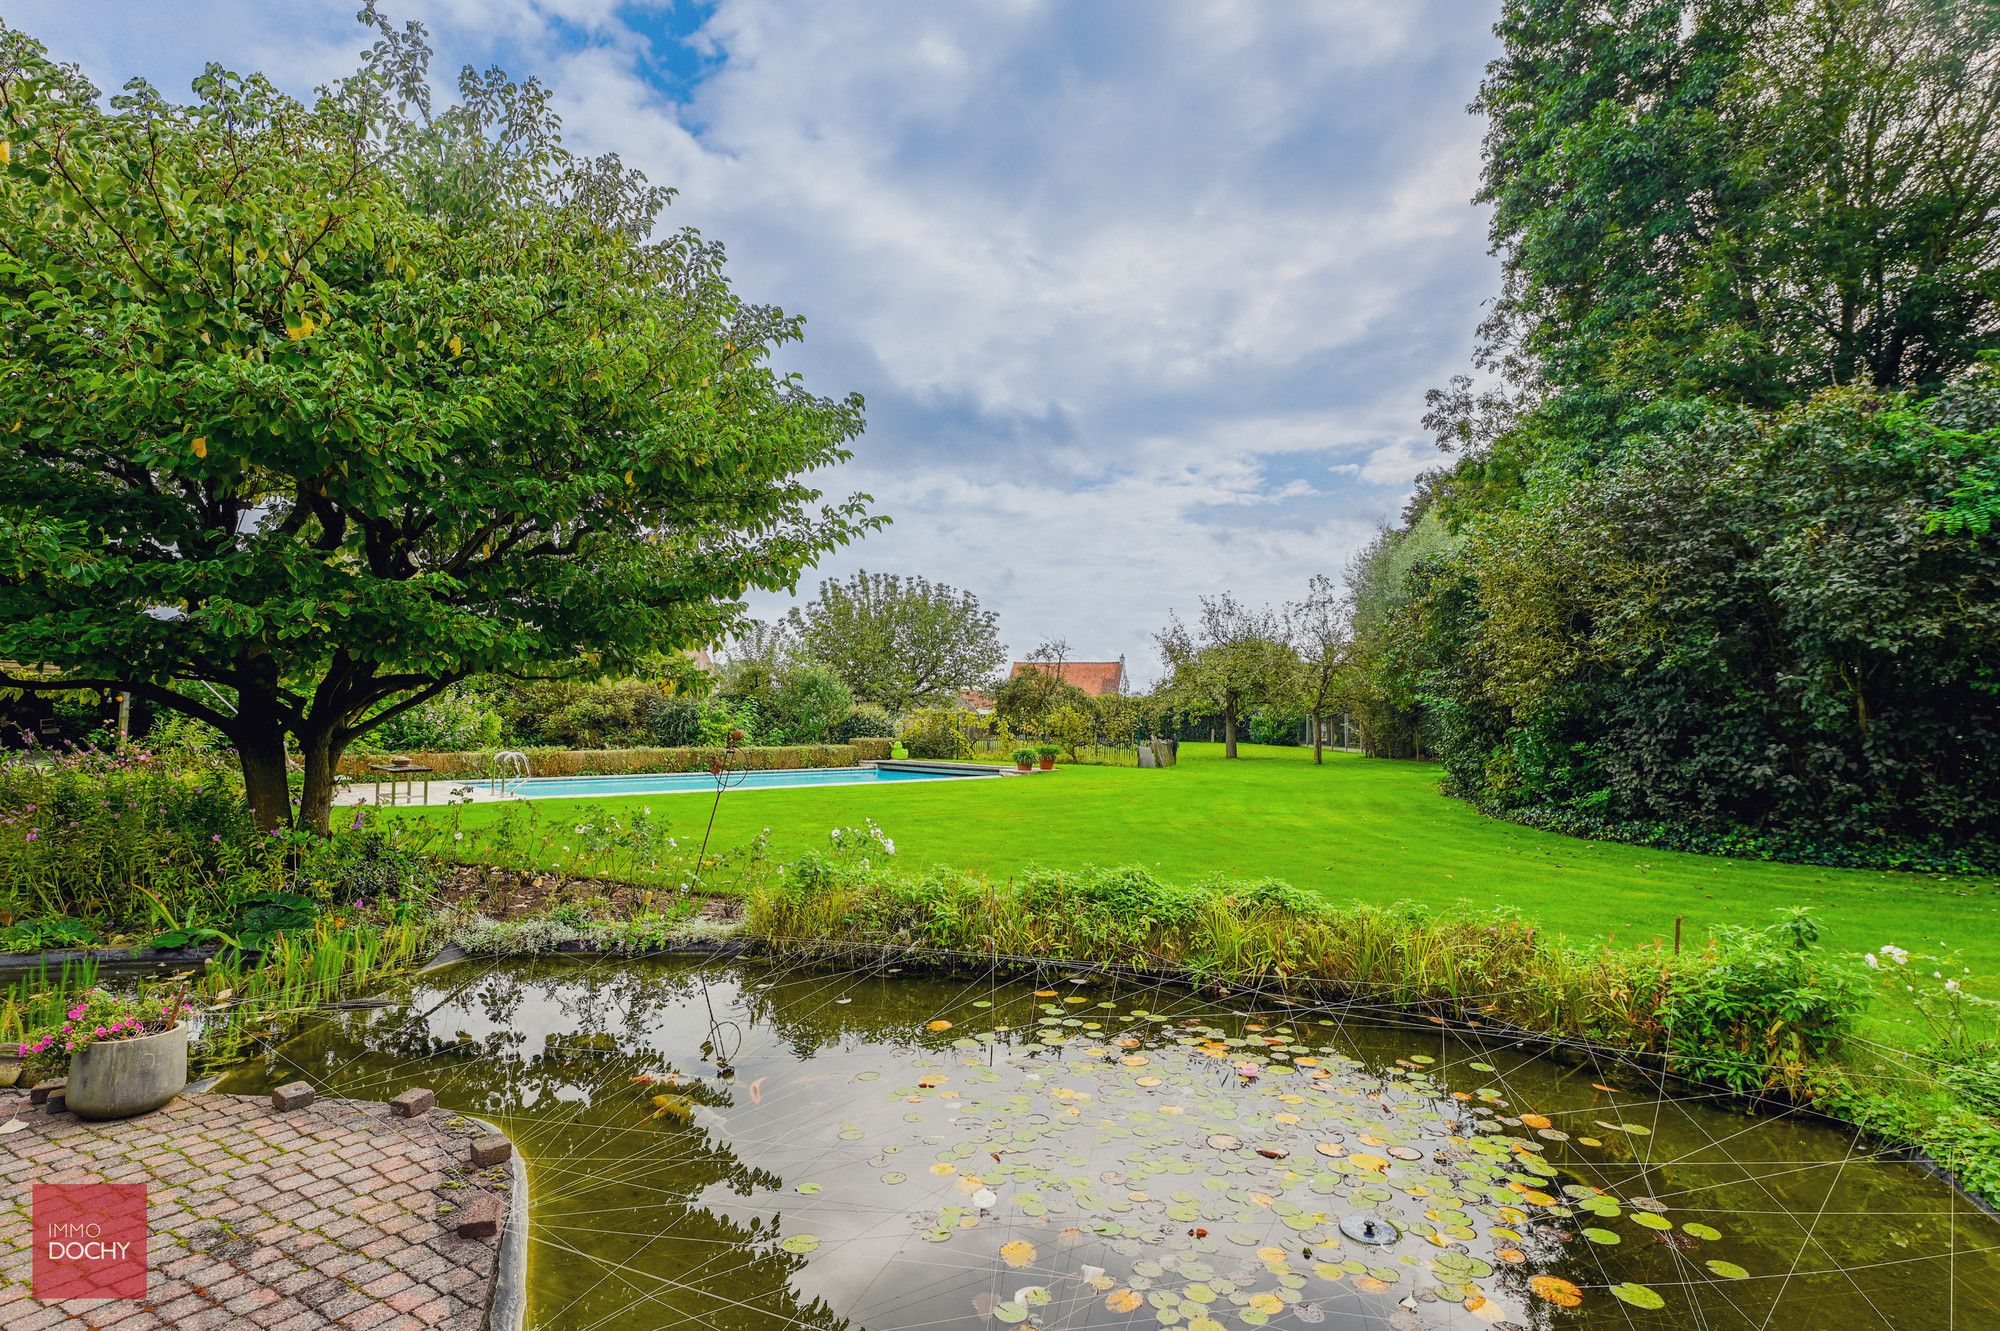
[1556, 1290]
[1017, 1253]
[757, 1091]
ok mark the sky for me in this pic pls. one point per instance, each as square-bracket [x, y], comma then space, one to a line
[1143, 295]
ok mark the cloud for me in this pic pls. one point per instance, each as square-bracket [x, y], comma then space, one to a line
[1144, 298]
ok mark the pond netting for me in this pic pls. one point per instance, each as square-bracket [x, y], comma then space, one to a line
[766, 1144]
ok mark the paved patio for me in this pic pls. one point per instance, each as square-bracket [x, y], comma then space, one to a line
[332, 1215]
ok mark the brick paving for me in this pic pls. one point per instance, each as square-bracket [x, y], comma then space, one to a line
[329, 1216]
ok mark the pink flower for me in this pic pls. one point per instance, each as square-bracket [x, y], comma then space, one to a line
[100, 1032]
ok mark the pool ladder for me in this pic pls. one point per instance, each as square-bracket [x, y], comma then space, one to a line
[509, 770]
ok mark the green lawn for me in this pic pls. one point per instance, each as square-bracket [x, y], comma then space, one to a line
[1356, 829]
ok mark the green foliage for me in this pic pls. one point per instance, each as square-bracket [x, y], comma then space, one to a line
[457, 718]
[365, 865]
[1758, 1011]
[1070, 728]
[864, 720]
[367, 397]
[1714, 569]
[478, 765]
[97, 1015]
[49, 933]
[1749, 640]
[1758, 1005]
[1025, 702]
[937, 733]
[105, 836]
[899, 642]
[809, 705]
[1273, 725]
[1747, 200]
[1235, 661]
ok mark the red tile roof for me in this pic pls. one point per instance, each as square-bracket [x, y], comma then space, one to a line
[1097, 678]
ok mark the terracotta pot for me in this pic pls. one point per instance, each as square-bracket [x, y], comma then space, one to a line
[1024, 767]
[1048, 764]
[120, 1078]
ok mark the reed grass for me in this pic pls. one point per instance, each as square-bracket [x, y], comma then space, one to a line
[1491, 967]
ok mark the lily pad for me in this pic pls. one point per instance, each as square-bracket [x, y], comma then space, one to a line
[1639, 1296]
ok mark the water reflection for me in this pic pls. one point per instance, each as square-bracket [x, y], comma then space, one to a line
[737, 1145]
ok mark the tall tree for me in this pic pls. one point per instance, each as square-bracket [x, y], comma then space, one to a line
[899, 642]
[321, 407]
[1232, 662]
[1744, 199]
[1319, 629]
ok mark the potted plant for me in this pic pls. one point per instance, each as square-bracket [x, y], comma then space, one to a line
[1047, 753]
[1024, 760]
[124, 1056]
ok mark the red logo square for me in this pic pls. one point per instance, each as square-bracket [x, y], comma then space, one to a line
[90, 1240]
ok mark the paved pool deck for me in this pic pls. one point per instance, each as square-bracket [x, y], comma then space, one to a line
[337, 1214]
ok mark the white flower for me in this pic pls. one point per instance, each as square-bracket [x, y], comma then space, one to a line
[458, 836]
[1873, 964]
[1951, 986]
[888, 845]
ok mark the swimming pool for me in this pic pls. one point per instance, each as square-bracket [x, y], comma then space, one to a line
[675, 783]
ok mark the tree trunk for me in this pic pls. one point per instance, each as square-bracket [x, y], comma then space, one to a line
[260, 750]
[1319, 742]
[1229, 732]
[322, 756]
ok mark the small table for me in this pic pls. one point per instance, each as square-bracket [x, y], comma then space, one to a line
[409, 772]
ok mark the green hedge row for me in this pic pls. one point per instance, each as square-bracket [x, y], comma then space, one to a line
[614, 762]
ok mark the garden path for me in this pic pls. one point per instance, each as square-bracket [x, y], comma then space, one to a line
[331, 1215]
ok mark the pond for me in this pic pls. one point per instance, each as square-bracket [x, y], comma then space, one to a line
[740, 1144]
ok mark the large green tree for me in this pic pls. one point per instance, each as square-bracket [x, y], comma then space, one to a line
[1746, 200]
[313, 408]
[1715, 567]
[899, 642]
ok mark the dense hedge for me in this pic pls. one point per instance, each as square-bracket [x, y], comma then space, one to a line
[613, 762]
[872, 748]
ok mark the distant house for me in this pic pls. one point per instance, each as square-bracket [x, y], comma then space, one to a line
[975, 701]
[1099, 679]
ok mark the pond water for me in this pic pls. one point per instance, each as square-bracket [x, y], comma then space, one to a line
[749, 1145]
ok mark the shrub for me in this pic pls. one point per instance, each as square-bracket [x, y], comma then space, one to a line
[872, 749]
[1071, 728]
[673, 722]
[457, 718]
[809, 702]
[937, 733]
[364, 865]
[864, 719]
[1275, 727]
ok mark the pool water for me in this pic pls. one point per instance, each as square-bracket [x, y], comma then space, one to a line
[669, 783]
[751, 1145]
